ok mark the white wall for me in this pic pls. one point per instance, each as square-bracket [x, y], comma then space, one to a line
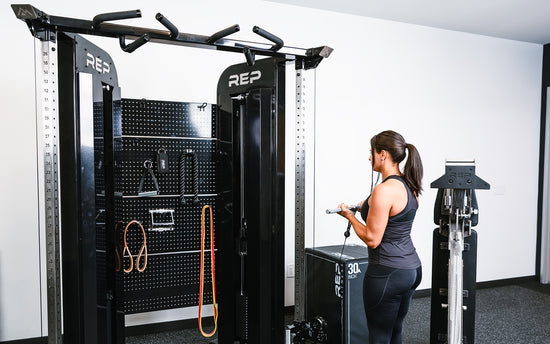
[20, 313]
[453, 95]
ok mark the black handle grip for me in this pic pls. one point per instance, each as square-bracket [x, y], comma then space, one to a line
[267, 35]
[100, 18]
[195, 176]
[250, 56]
[223, 33]
[135, 44]
[171, 27]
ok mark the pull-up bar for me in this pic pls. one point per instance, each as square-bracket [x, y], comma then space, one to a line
[40, 22]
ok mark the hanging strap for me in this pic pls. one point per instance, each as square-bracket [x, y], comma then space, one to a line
[141, 251]
[148, 164]
[195, 181]
[201, 293]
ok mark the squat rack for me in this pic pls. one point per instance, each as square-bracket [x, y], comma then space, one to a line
[45, 28]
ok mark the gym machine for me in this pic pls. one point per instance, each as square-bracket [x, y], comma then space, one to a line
[79, 109]
[455, 254]
[251, 242]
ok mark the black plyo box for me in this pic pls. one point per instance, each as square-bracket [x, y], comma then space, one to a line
[334, 291]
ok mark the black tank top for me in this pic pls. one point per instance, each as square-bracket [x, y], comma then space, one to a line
[396, 250]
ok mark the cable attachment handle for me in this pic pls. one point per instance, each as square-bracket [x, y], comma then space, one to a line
[162, 161]
[267, 35]
[174, 32]
[130, 48]
[223, 33]
[100, 18]
[195, 181]
[148, 165]
[353, 208]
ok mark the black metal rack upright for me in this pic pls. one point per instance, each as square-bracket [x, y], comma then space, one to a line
[79, 114]
[252, 120]
[88, 103]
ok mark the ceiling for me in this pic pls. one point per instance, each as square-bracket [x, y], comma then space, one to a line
[520, 20]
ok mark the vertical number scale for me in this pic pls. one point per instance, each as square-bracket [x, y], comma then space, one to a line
[47, 138]
[299, 264]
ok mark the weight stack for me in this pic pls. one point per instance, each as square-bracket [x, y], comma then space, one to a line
[440, 266]
[334, 291]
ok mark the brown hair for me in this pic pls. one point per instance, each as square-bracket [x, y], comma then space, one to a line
[395, 145]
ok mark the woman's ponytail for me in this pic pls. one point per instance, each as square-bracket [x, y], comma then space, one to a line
[396, 146]
[413, 170]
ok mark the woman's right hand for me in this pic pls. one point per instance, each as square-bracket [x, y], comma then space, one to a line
[345, 212]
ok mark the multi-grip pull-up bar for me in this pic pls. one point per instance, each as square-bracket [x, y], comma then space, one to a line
[40, 22]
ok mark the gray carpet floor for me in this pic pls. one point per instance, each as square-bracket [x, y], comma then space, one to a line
[515, 314]
[512, 314]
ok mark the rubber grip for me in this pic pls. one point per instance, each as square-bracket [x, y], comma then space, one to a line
[100, 18]
[174, 32]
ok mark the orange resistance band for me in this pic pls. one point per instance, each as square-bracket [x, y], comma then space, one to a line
[203, 234]
[143, 248]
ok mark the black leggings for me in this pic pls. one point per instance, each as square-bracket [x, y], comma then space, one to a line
[387, 293]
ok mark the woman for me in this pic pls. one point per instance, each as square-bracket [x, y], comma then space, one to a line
[394, 270]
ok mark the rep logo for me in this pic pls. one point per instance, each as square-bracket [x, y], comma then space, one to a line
[97, 64]
[244, 78]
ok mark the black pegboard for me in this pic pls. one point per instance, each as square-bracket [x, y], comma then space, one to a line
[99, 166]
[171, 279]
[98, 118]
[99, 185]
[186, 232]
[100, 222]
[136, 150]
[101, 278]
[174, 119]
